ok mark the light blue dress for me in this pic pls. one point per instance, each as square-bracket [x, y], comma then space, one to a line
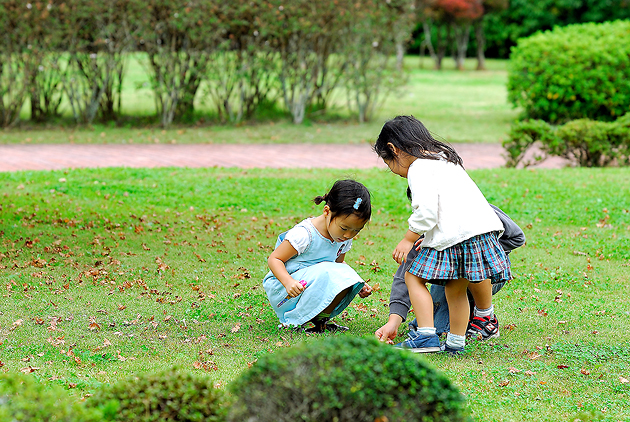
[324, 278]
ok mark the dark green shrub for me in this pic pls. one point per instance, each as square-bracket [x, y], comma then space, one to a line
[592, 144]
[344, 379]
[585, 142]
[171, 395]
[523, 135]
[579, 71]
[24, 399]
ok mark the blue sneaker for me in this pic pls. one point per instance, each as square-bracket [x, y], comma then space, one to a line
[451, 350]
[420, 343]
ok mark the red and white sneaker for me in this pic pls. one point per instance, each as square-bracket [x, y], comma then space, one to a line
[483, 328]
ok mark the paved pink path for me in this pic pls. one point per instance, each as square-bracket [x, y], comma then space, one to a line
[62, 156]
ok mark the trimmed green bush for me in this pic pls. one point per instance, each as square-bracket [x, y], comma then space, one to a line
[344, 379]
[585, 142]
[24, 399]
[574, 72]
[172, 395]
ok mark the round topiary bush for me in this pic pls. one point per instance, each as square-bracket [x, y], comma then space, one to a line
[344, 379]
[572, 72]
[172, 395]
[24, 399]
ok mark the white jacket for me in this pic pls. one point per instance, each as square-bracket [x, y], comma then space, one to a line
[448, 207]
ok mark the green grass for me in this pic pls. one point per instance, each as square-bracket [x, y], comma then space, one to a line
[113, 272]
[459, 106]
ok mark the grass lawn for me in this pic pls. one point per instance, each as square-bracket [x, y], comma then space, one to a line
[110, 273]
[468, 106]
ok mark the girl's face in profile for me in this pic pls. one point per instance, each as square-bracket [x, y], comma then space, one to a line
[344, 227]
[396, 167]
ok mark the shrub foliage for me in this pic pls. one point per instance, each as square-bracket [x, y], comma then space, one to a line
[588, 143]
[575, 72]
[344, 379]
[24, 399]
[172, 395]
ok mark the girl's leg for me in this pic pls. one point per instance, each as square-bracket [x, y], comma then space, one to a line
[420, 299]
[484, 323]
[458, 306]
[336, 301]
[482, 293]
[321, 321]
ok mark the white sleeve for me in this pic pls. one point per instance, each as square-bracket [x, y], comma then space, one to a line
[299, 238]
[347, 246]
[424, 201]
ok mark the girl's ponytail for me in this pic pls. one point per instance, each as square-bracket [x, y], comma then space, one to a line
[347, 197]
[319, 199]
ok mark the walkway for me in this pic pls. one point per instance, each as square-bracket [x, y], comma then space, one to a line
[53, 157]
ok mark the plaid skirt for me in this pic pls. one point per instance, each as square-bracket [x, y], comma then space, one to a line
[474, 259]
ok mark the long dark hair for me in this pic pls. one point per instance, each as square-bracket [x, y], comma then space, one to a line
[409, 135]
[347, 197]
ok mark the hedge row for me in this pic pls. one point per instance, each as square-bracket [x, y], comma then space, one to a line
[587, 143]
[246, 53]
[343, 379]
[575, 72]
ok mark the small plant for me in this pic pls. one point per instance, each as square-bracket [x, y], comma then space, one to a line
[344, 379]
[171, 395]
[24, 399]
[588, 143]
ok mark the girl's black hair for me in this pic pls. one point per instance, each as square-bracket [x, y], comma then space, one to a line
[409, 135]
[347, 197]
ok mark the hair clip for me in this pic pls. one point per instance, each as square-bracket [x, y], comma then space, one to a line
[357, 203]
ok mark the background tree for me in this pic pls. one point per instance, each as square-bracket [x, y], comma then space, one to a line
[178, 37]
[489, 7]
[243, 71]
[302, 36]
[45, 37]
[447, 23]
[523, 18]
[23, 29]
[370, 44]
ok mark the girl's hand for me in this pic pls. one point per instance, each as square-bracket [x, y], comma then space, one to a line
[365, 291]
[401, 251]
[418, 244]
[388, 332]
[294, 288]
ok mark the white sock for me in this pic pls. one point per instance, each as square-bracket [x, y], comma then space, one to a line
[484, 312]
[429, 331]
[454, 341]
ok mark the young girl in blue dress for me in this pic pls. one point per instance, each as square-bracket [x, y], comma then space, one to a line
[309, 280]
[460, 231]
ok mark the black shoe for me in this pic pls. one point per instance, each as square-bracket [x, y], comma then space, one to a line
[317, 328]
[336, 328]
[323, 325]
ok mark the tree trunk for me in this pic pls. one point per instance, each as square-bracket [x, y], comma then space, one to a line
[401, 38]
[442, 43]
[481, 45]
[462, 35]
[429, 44]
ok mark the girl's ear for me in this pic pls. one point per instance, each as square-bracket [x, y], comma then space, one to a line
[326, 210]
[393, 149]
